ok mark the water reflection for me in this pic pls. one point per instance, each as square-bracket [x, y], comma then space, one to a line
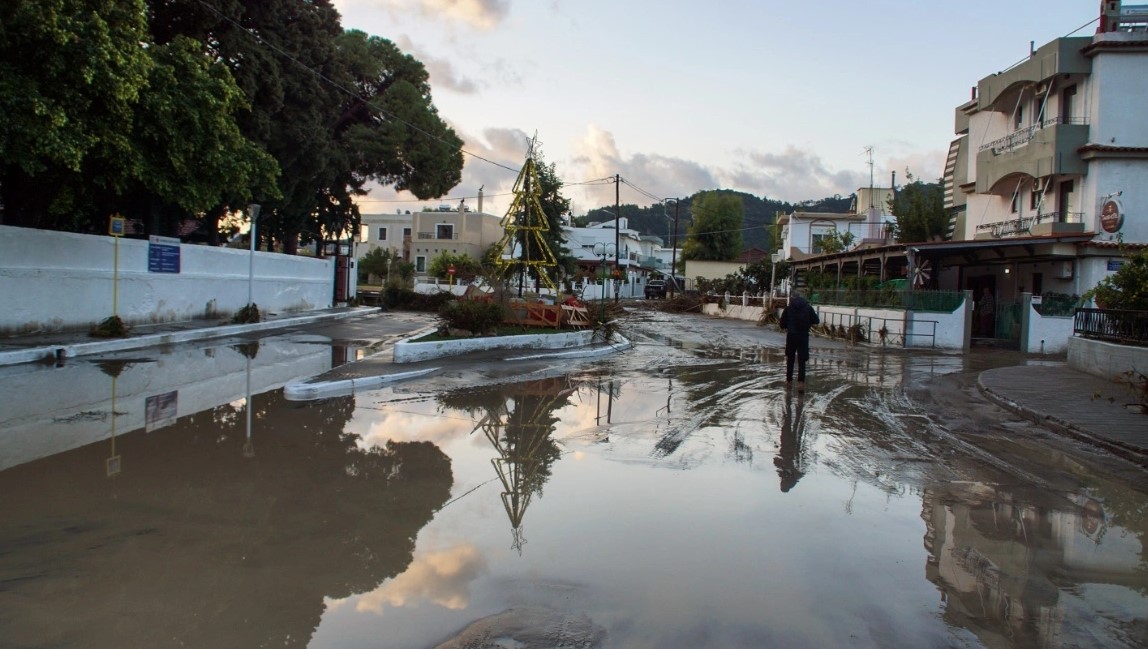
[518, 420]
[200, 543]
[47, 410]
[790, 460]
[1033, 573]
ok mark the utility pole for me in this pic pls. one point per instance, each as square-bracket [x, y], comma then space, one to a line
[617, 233]
[674, 250]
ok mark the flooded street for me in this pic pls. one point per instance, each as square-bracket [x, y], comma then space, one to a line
[674, 495]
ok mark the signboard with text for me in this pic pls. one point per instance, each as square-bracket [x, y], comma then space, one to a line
[163, 254]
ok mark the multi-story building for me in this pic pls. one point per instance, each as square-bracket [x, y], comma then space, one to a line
[1050, 167]
[420, 236]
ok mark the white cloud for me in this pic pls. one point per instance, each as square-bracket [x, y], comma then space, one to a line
[442, 72]
[597, 155]
[478, 14]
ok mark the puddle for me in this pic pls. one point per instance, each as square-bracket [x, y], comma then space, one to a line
[675, 496]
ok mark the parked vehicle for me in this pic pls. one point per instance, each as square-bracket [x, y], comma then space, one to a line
[655, 289]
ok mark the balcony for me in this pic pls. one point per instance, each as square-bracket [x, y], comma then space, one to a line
[1035, 225]
[1061, 56]
[1044, 149]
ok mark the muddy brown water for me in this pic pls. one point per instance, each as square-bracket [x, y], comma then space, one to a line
[675, 495]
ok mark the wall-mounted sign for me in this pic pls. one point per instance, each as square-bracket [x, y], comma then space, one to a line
[1114, 265]
[1111, 216]
[116, 225]
[162, 254]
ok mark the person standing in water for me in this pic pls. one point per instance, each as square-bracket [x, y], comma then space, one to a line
[796, 319]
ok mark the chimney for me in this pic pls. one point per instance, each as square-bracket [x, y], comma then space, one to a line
[1109, 16]
[480, 199]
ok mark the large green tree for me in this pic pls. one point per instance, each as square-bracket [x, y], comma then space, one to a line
[715, 234]
[919, 210]
[71, 72]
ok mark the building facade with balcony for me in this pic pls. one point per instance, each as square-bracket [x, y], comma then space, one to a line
[1049, 170]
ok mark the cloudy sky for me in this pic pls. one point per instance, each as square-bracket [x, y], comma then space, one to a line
[778, 99]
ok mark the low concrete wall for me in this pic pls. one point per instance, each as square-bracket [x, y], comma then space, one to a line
[408, 351]
[911, 329]
[1104, 359]
[56, 281]
[1048, 334]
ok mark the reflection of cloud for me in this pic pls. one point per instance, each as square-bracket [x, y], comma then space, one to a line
[442, 578]
[414, 427]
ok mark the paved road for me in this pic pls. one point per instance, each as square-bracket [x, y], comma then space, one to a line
[1051, 394]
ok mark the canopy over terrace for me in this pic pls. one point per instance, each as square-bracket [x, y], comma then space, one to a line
[897, 261]
[884, 261]
[996, 252]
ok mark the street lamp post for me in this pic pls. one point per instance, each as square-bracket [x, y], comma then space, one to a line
[603, 249]
[253, 213]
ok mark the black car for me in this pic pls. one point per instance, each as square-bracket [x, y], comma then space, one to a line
[655, 289]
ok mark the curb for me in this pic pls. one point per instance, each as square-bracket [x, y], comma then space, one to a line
[1133, 454]
[303, 391]
[60, 352]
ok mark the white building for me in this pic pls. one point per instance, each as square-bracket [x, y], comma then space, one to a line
[1050, 166]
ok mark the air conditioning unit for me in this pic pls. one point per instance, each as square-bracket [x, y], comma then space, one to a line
[1038, 185]
[1064, 270]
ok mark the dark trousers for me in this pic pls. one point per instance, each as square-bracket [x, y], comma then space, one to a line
[796, 346]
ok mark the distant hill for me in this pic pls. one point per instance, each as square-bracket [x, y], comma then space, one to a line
[759, 215]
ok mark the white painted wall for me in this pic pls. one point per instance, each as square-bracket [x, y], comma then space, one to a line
[919, 329]
[1118, 93]
[941, 330]
[1104, 359]
[54, 281]
[1047, 335]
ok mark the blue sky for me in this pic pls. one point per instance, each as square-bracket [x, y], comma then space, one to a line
[777, 99]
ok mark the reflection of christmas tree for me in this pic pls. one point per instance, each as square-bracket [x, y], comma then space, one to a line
[518, 424]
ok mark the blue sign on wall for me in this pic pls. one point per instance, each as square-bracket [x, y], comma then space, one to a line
[163, 255]
[1115, 264]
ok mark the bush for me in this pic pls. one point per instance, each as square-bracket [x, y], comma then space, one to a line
[477, 317]
[112, 327]
[247, 315]
[395, 297]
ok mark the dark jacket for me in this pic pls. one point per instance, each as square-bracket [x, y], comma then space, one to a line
[798, 317]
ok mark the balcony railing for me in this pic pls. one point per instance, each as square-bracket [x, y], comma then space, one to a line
[434, 236]
[1023, 225]
[1023, 136]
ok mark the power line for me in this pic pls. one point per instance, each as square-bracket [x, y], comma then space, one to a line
[645, 193]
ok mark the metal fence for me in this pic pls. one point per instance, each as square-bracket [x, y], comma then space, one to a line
[1127, 327]
[939, 301]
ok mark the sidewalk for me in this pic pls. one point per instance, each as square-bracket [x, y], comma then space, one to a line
[40, 347]
[1074, 403]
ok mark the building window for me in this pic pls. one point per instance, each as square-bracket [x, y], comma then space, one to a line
[420, 264]
[1015, 206]
[382, 234]
[444, 231]
[1067, 99]
[406, 233]
[815, 246]
[1034, 200]
[1018, 118]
